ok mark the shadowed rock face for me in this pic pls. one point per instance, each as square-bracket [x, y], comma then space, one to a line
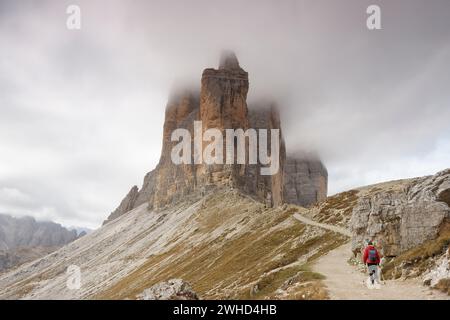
[127, 204]
[223, 96]
[305, 180]
[222, 104]
[136, 197]
[172, 182]
[270, 188]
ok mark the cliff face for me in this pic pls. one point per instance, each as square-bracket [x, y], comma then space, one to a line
[222, 104]
[173, 182]
[404, 217]
[267, 187]
[136, 197]
[305, 180]
[223, 96]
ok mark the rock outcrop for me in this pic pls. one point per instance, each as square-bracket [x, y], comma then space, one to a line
[440, 272]
[135, 197]
[173, 182]
[126, 204]
[222, 104]
[267, 187]
[305, 180]
[174, 289]
[401, 219]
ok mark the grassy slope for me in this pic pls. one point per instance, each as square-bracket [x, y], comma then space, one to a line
[338, 210]
[268, 258]
[267, 250]
[230, 246]
[421, 258]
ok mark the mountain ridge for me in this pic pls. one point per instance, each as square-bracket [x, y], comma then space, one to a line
[245, 249]
[24, 239]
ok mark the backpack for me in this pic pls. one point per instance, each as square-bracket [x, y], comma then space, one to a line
[373, 255]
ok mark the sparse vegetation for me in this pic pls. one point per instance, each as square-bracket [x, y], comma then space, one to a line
[419, 257]
[232, 247]
[299, 277]
[268, 255]
[443, 285]
[337, 210]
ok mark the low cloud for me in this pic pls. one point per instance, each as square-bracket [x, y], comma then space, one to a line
[82, 111]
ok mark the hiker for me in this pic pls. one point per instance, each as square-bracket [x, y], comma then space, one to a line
[372, 259]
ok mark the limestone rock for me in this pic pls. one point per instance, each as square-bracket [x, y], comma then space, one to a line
[439, 272]
[305, 179]
[174, 289]
[126, 205]
[229, 61]
[222, 104]
[223, 97]
[172, 182]
[266, 115]
[401, 219]
[147, 190]
[135, 197]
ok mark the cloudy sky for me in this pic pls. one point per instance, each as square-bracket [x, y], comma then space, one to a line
[81, 111]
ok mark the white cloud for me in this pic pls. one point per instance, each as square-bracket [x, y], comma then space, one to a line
[81, 112]
[14, 196]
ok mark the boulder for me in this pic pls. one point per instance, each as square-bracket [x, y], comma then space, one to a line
[174, 289]
[440, 271]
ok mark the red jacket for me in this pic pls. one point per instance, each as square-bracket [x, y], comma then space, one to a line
[366, 255]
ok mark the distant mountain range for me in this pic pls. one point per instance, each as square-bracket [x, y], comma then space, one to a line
[24, 239]
[81, 231]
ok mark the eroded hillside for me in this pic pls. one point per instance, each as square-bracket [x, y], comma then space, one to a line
[226, 245]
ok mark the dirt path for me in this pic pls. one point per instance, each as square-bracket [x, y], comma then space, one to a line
[337, 229]
[346, 282]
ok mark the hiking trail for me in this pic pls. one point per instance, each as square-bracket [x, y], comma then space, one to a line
[346, 282]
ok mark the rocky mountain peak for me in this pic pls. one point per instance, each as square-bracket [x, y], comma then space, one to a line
[228, 60]
[221, 103]
[24, 239]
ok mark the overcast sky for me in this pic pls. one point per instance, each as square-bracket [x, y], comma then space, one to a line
[81, 112]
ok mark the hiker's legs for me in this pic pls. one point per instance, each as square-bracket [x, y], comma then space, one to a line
[373, 273]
